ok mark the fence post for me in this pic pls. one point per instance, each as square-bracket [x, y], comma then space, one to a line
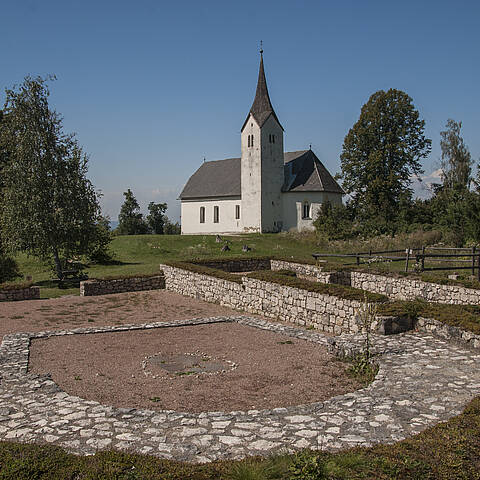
[358, 259]
[407, 251]
[478, 268]
[473, 260]
[423, 258]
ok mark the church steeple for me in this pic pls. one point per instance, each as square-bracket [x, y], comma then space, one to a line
[262, 106]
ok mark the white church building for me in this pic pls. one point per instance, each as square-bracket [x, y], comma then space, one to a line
[266, 189]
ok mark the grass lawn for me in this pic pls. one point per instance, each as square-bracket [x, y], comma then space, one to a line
[143, 253]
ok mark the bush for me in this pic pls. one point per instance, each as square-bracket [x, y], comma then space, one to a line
[8, 269]
[335, 222]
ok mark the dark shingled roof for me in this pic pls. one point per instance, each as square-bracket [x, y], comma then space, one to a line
[262, 106]
[219, 178]
[304, 172]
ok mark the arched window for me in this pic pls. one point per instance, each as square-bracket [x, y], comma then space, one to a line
[306, 207]
[249, 141]
[202, 214]
[252, 142]
[215, 214]
[237, 212]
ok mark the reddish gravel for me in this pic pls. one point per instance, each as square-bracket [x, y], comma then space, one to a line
[116, 309]
[273, 370]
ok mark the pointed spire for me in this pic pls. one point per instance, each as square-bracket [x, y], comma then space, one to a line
[262, 106]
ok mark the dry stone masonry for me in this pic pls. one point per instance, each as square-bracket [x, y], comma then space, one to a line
[394, 288]
[135, 284]
[410, 289]
[323, 312]
[421, 381]
[28, 293]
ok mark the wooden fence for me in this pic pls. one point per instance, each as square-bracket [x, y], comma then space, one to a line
[420, 256]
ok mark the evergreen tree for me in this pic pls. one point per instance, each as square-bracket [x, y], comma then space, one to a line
[380, 154]
[130, 220]
[49, 207]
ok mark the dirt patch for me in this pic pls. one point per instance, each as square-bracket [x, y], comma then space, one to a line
[115, 309]
[267, 369]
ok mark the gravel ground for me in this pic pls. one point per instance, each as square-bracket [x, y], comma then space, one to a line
[115, 309]
[262, 369]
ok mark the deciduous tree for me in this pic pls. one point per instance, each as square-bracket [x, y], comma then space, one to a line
[156, 217]
[49, 207]
[456, 159]
[380, 154]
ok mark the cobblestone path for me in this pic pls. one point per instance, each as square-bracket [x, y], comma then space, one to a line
[422, 380]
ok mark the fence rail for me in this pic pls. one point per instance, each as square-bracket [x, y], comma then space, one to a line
[469, 256]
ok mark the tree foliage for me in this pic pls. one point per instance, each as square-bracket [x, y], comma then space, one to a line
[380, 154]
[334, 222]
[49, 207]
[130, 220]
[156, 217]
[456, 159]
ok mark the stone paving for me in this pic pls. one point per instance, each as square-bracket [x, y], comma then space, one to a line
[422, 380]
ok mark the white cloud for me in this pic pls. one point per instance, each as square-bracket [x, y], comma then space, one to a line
[423, 185]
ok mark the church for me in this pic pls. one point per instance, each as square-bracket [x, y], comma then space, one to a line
[266, 189]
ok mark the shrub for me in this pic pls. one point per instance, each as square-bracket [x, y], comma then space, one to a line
[8, 269]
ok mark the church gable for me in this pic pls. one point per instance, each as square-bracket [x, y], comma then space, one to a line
[305, 172]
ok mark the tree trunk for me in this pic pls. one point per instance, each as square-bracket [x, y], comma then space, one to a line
[58, 264]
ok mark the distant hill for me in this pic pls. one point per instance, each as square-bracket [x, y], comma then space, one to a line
[113, 224]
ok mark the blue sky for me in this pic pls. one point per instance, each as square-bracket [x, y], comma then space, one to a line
[153, 87]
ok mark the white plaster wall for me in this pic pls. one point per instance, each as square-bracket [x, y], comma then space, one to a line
[251, 178]
[272, 176]
[292, 207]
[190, 216]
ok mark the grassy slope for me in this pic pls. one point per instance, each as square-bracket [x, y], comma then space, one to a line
[142, 254]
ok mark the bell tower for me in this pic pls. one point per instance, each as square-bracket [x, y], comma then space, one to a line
[262, 173]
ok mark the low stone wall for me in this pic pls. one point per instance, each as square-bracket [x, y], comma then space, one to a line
[29, 293]
[393, 288]
[448, 332]
[102, 287]
[308, 272]
[204, 287]
[409, 289]
[323, 312]
[238, 265]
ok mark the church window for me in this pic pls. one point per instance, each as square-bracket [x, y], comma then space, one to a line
[202, 214]
[249, 140]
[237, 212]
[273, 138]
[306, 210]
[252, 142]
[215, 214]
